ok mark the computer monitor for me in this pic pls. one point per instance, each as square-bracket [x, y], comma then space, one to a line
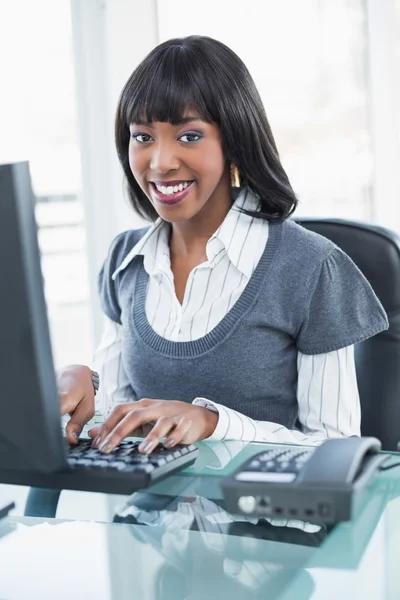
[31, 436]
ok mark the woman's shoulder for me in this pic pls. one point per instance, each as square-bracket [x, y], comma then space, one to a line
[336, 304]
[122, 246]
[126, 240]
[301, 244]
[121, 249]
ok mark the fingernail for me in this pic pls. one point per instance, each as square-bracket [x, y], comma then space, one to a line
[75, 435]
[96, 441]
[169, 443]
[146, 447]
[106, 446]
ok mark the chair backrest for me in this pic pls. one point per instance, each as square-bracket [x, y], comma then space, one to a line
[376, 252]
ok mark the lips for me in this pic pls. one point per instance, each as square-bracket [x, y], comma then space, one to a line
[173, 198]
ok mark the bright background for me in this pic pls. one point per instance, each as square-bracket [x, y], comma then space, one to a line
[328, 73]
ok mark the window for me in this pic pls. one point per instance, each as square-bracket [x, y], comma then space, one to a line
[38, 122]
[309, 62]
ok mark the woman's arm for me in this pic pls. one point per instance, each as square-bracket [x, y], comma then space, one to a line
[76, 391]
[328, 400]
[114, 384]
[328, 407]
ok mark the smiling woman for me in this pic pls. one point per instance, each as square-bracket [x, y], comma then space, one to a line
[224, 319]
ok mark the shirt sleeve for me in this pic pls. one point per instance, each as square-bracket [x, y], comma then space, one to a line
[341, 308]
[115, 387]
[328, 399]
[107, 288]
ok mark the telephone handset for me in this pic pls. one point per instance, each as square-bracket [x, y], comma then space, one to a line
[323, 484]
[340, 461]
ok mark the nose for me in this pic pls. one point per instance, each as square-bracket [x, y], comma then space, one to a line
[163, 158]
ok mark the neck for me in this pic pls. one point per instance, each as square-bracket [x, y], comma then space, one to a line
[189, 238]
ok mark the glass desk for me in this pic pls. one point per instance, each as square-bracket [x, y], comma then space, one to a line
[175, 541]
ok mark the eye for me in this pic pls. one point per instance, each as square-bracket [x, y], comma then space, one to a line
[190, 138]
[138, 137]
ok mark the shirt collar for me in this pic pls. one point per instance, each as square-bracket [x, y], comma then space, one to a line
[233, 232]
[154, 245]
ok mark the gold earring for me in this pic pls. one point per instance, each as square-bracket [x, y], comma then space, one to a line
[235, 177]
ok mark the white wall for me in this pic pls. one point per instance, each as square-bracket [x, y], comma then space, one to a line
[110, 39]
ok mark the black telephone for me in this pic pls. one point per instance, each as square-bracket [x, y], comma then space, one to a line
[323, 485]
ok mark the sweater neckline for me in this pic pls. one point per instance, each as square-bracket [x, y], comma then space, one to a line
[191, 349]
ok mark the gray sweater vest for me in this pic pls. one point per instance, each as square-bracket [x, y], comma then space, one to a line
[305, 295]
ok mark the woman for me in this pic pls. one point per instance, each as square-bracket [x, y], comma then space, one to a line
[225, 319]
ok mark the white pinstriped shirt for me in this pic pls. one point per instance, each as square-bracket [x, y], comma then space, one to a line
[327, 394]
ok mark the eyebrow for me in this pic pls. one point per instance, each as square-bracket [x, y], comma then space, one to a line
[182, 121]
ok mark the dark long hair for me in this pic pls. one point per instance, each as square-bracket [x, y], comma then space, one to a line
[202, 75]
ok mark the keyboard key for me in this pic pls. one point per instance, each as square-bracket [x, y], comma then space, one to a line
[147, 468]
[129, 469]
[138, 459]
[91, 453]
[116, 465]
[124, 452]
[100, 463]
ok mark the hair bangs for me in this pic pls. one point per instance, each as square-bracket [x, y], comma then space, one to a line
[168, 92]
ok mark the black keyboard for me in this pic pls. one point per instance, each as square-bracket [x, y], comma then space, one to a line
[125, 469]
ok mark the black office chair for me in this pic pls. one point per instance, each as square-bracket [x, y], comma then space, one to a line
[376, 252]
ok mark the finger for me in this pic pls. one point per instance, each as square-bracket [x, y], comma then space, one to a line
[126, 426]
[93, 433]
[177, 436]
[163, 426]
[81, 415]
[141, 431]
[117, 414]
[72, 432]
[69, 400]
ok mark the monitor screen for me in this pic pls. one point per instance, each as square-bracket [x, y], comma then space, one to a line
[30, 424]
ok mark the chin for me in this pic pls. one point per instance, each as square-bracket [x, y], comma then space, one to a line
[177, 213]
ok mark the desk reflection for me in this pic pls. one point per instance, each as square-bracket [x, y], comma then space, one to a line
[228, 553]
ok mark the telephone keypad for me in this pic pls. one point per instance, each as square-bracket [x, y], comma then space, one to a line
[278, 461]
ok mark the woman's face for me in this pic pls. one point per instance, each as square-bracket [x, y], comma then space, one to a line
[181, 168]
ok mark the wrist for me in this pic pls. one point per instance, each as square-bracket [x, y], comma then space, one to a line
[95, 381]
[212, 421]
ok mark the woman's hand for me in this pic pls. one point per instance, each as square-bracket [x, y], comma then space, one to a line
[178, 422]
[76, 394]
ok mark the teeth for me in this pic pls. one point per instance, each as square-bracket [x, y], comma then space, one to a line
[168, 190]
